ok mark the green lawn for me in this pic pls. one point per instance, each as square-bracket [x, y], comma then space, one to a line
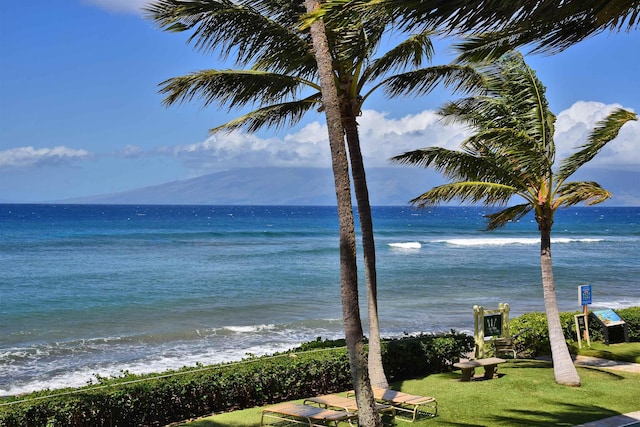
[626, 352]
[525, 394]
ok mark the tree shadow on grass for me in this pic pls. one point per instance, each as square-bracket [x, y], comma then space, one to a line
[211, 423]
[565, 414]
[605, 372]
[529, 363]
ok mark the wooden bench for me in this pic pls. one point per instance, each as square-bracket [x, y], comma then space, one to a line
[468, 367]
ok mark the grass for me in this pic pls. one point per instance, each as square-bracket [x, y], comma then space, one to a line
[525, 394]
[625, 352]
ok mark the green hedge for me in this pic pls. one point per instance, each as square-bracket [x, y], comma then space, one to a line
[413, 357]
[534, 338]
[145, 400]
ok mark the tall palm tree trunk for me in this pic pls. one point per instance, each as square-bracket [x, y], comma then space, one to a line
[376, 369]
[564, 370]
[367, 415]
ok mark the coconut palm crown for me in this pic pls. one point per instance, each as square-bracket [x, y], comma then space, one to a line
[511, 153]
[497, 25]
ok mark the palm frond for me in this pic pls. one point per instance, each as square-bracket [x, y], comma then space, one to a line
[451, 163]
[510, 214]
[466, 192]
[546, 25]
[273, 116]
[512, 150]
[286, 13]
[340, 12]
[486, 47]
[459, 165]
[513, 115]
[604, 132]
[587, 192]
[231, 87]
[355, 41]
[410, 52]
[424, 80]
[229, 28]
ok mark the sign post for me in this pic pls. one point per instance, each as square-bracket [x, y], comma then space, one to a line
[581, 329]
[490, 323]
[584, 299]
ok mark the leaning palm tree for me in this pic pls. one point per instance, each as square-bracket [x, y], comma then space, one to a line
[282, 81]
[510, 153]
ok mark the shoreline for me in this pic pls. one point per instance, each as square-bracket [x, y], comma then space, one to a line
[119, 372]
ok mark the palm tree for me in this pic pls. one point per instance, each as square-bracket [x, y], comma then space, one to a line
[367, 414]
[282, 81]
[512, 153]
[550, 25]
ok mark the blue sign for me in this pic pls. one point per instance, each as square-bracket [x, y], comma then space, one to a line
[608, 317]
[584, 294]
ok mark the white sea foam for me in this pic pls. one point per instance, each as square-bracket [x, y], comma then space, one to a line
[173, 358]
[406, 245]
[624, 303]
[249, 328]
[504, 241]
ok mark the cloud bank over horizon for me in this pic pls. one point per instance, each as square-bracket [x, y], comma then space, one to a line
[382, 137]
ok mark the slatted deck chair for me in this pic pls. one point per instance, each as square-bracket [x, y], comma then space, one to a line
[349, 404]
[506, 346]
[411, 404]
[312, 416]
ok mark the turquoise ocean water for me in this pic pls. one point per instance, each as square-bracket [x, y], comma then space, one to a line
[88, 290]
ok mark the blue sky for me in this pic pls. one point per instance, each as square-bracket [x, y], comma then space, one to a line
[80, 114]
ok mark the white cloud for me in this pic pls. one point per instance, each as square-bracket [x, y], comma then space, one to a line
[575, 123]
[29, 156]
[128, 6]
[130, 152]
[306, 148]
[383, 137]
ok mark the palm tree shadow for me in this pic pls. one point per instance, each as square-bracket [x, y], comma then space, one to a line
[565, 414]
[211, 423]
[605, 372]
[530, 363]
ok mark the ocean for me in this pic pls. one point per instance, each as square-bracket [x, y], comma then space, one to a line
[90, 290]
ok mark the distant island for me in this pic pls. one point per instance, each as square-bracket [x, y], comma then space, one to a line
[390, 186]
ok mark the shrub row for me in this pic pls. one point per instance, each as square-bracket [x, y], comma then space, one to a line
[534, 338]
[145, 400]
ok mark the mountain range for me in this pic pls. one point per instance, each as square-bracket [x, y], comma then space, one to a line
[315, 186]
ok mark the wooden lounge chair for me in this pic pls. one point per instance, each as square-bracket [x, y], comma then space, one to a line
[348, 404]
[407, 403]
[312, 416]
